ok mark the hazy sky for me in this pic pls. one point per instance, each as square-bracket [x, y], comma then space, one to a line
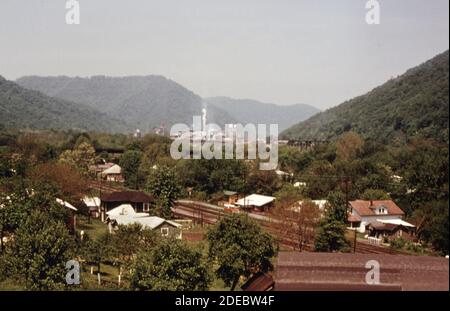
[319, 52]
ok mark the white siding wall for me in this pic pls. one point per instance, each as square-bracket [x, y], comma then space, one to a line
[367, 219]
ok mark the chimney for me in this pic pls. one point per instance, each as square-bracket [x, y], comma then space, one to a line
[371, 203]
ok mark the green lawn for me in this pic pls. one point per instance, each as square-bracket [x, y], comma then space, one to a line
[94, 229]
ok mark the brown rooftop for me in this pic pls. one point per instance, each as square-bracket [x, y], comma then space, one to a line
[127, 196]
[337, 271]
[258, 283]
[366, 208]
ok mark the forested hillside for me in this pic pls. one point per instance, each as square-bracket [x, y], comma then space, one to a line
[142, 102]
[26, 109]
[411, 105]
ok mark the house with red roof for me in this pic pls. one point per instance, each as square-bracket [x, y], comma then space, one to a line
[362, 213]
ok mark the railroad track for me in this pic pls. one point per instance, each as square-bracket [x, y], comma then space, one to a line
[206, 215]
[365, 248]
[103, 186]
[210, 215]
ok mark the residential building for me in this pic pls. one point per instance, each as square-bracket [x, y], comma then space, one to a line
[126, 215]
[362, 213]
[140, 201]
[391, 229]
[93, 203]
[114, 174]
[256, 202]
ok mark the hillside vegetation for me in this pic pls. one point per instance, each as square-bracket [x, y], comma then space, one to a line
[414, 104]
[142, 102]
[26, 109]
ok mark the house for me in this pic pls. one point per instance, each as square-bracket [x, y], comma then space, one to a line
[93, 203]
[391, 229]
[362, 212]
[114, 173]
[303, 271]
[126, 215]
[256, 201]
[229, 199]
[99, 168]
[140, 201]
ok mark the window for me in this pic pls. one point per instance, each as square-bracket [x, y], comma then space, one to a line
[146, 207]
[164, 231]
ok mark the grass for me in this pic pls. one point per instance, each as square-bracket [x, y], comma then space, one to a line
[109, 278]
[94, 229]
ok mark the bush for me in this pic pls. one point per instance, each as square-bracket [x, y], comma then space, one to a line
[398, 243]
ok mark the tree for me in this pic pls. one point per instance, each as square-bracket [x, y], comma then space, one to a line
[212, 176]
[425, 168]
[296, 220]
[171, 265]
[432, 221]
[39, 253]
[331, 234]
[71, 183]
[99, 251]
[337, 207]
[20, 202]
[263, 182]
[82, 157]
[240, 248]
[319, 179]
[331, 237]
[128, 240]
[349, 146]
[162, 183]
[130, 163]
[375, 194]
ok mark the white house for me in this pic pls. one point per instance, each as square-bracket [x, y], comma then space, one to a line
[362, 213]
[260, 202]
[93, 203]
[125, 215]
[114, 173]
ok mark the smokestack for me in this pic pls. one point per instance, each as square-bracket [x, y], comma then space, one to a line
[204, 119]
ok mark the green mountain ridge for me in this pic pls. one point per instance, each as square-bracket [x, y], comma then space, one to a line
[21, 108]
[414, 104]
[142, 102]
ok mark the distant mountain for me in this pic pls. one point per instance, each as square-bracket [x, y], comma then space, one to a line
[142, 102]
[252, 111]
[28, 109]
[413, 104]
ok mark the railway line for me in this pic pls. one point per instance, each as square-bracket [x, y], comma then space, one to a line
[210, 214]
[206, 215]
[103, 186]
